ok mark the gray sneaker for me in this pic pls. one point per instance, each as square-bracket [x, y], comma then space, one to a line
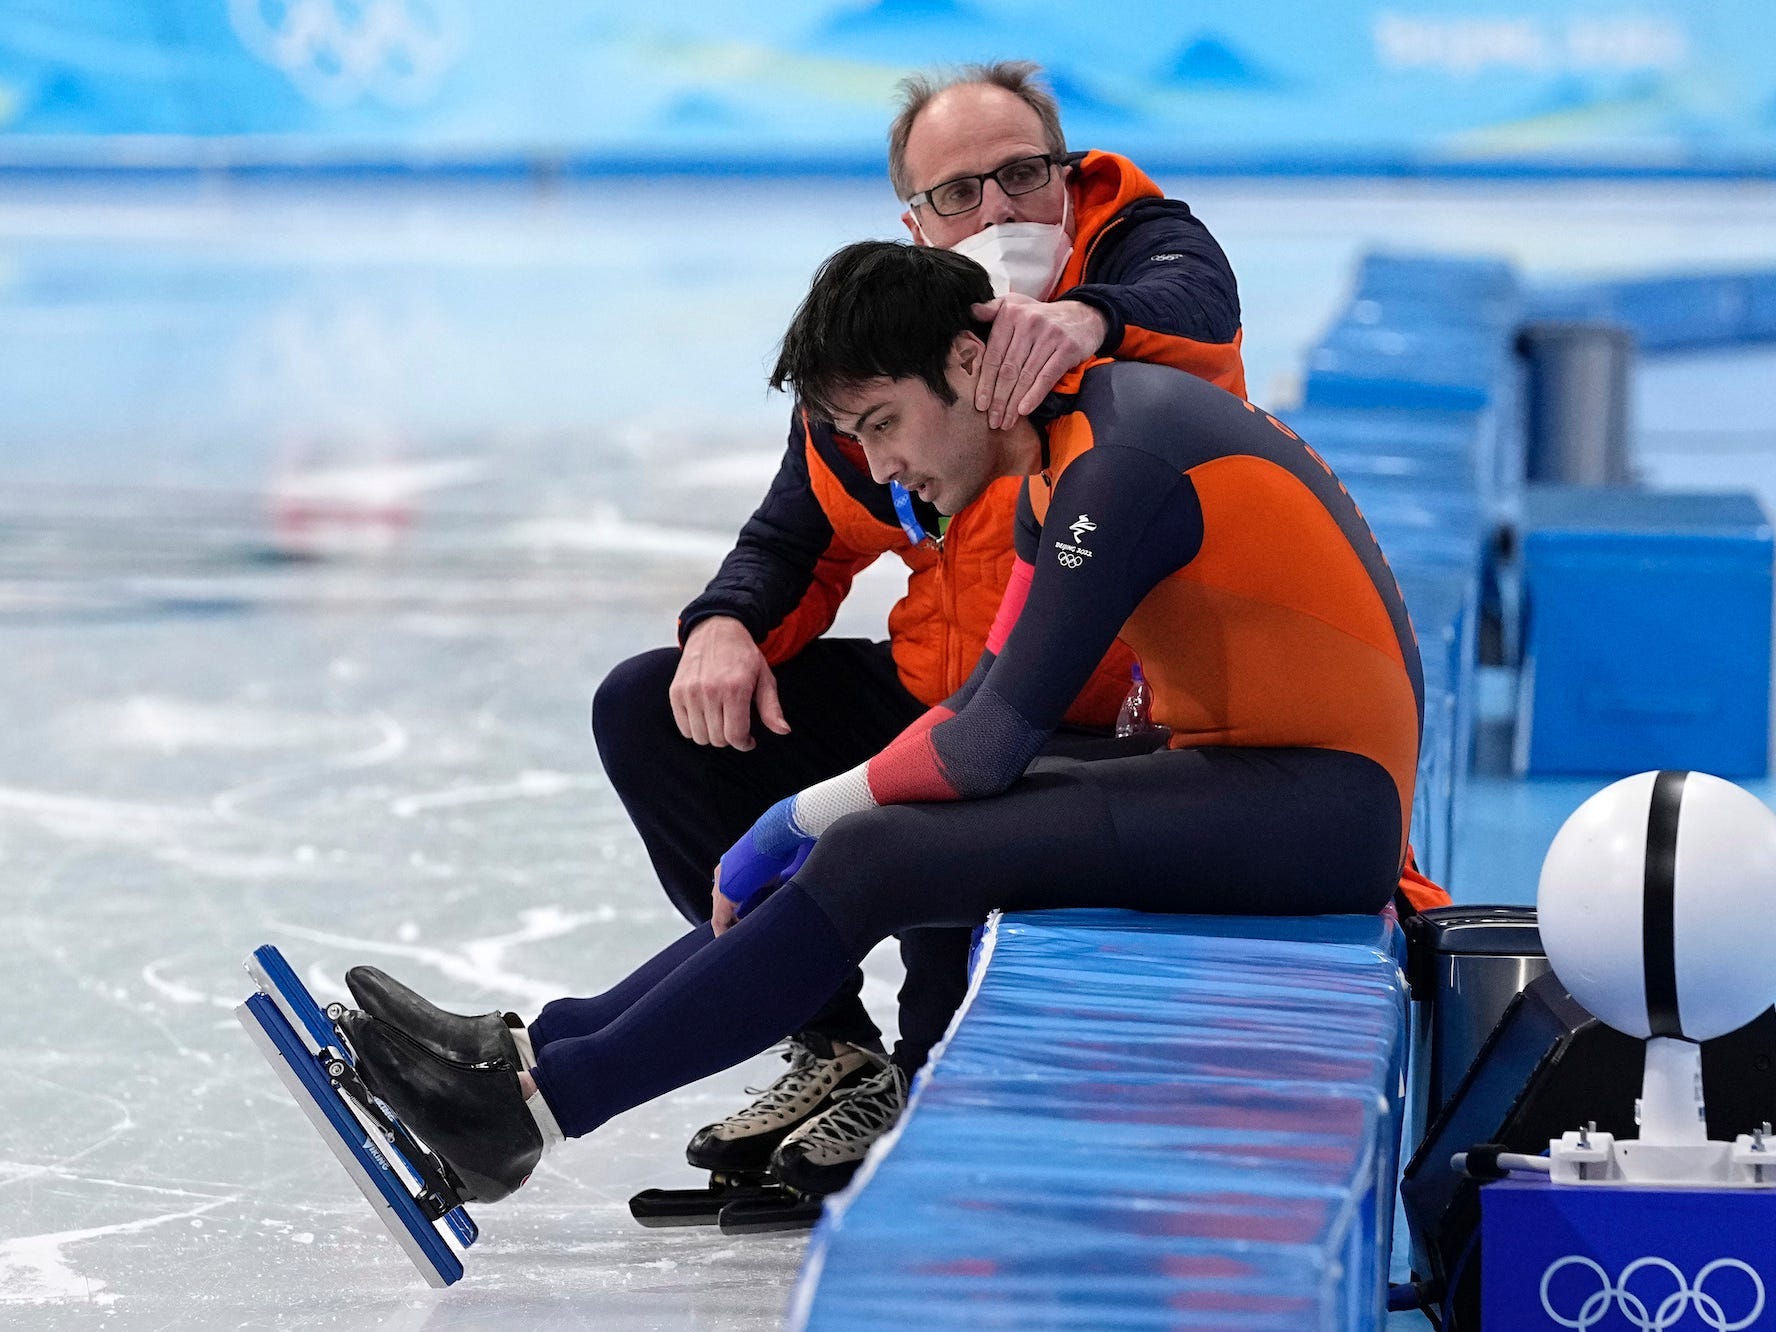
[821, 1156]
[817, 1072]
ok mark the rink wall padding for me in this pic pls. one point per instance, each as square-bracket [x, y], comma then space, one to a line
[1140, 1121]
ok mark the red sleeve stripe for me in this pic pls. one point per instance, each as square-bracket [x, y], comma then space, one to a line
[908, 770]
[1011, 605]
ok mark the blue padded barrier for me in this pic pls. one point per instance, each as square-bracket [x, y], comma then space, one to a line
[1437, 367]
[1428, 530]
[1420, 478]
[1432, 482]
[1433, 818]
[1427, 448]
[1444, 605]
[1404, 291]
[1415, 309]
[1760, 314]
[1428, 333]
[1413, 398]
[1670, 312]
[1579, 302]
[1377, 933]
[1477, 284]
[1140, 1121]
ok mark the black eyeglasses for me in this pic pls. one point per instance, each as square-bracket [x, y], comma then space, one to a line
[1023, 176]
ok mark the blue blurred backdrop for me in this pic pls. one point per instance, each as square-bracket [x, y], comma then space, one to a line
[1301, 85]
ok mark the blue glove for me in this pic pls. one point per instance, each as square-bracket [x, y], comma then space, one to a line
[772, 850]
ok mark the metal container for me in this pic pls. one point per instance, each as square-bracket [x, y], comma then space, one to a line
[1578, 391]
[1468, 964]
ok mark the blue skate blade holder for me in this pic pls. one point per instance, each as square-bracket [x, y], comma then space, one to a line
[291, 1049]
[276, 978]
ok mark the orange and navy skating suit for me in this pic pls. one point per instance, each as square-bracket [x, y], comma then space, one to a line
[1213, 543]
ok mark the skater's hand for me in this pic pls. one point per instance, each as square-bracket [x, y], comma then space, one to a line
[723, 911]
[1033, 343]
[770, 852]
[720, 676]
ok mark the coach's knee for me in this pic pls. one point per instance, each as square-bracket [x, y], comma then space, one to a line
[631, 710]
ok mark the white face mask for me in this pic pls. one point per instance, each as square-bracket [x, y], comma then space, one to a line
[1025, 257]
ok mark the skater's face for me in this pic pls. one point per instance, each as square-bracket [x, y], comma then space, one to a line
[943, 452]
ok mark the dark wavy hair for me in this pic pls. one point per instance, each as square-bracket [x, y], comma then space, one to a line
[880, 310]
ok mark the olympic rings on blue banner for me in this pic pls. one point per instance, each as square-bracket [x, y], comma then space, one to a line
[1669, 1312]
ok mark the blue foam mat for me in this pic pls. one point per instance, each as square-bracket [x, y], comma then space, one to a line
[1140, 1121]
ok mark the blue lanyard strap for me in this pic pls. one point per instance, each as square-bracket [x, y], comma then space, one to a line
[903, 508]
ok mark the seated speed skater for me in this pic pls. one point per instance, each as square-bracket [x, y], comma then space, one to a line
[1155, 509]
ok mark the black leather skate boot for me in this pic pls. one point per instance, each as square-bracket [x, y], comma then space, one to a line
[468, 1040]
[471, 1114]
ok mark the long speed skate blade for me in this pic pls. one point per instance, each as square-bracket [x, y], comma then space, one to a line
[382, 1187]
[659, 1208]
[757, 1216]
[277, 979]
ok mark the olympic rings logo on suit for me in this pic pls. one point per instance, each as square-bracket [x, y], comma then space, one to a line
[1668, 1313]
[395, 50]
[1069, 559]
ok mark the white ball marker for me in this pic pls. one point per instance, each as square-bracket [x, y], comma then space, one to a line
[1656, 907]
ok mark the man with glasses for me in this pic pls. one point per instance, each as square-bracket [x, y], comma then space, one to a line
[1088, 258]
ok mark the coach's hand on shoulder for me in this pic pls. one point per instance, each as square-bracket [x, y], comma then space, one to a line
[1032, 345]
[720, 675]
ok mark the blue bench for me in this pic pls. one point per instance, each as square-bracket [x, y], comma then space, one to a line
[1139, 1121]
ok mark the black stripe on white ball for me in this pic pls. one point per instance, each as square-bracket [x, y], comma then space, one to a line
[1658, 906]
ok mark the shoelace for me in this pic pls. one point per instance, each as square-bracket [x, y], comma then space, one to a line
[804, 1067]
[864, 1110]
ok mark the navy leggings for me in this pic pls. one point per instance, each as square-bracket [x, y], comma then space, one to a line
[691, 802]
[1218, 831]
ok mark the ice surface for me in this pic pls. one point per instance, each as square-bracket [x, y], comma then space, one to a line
[321, 515]
[360, 781]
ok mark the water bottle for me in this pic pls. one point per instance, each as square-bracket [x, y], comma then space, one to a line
[1137, 708]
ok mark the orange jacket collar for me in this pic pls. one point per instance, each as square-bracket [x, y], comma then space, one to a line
[1103, 185]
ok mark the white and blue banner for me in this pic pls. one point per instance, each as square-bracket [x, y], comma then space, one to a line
[1298, 85]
